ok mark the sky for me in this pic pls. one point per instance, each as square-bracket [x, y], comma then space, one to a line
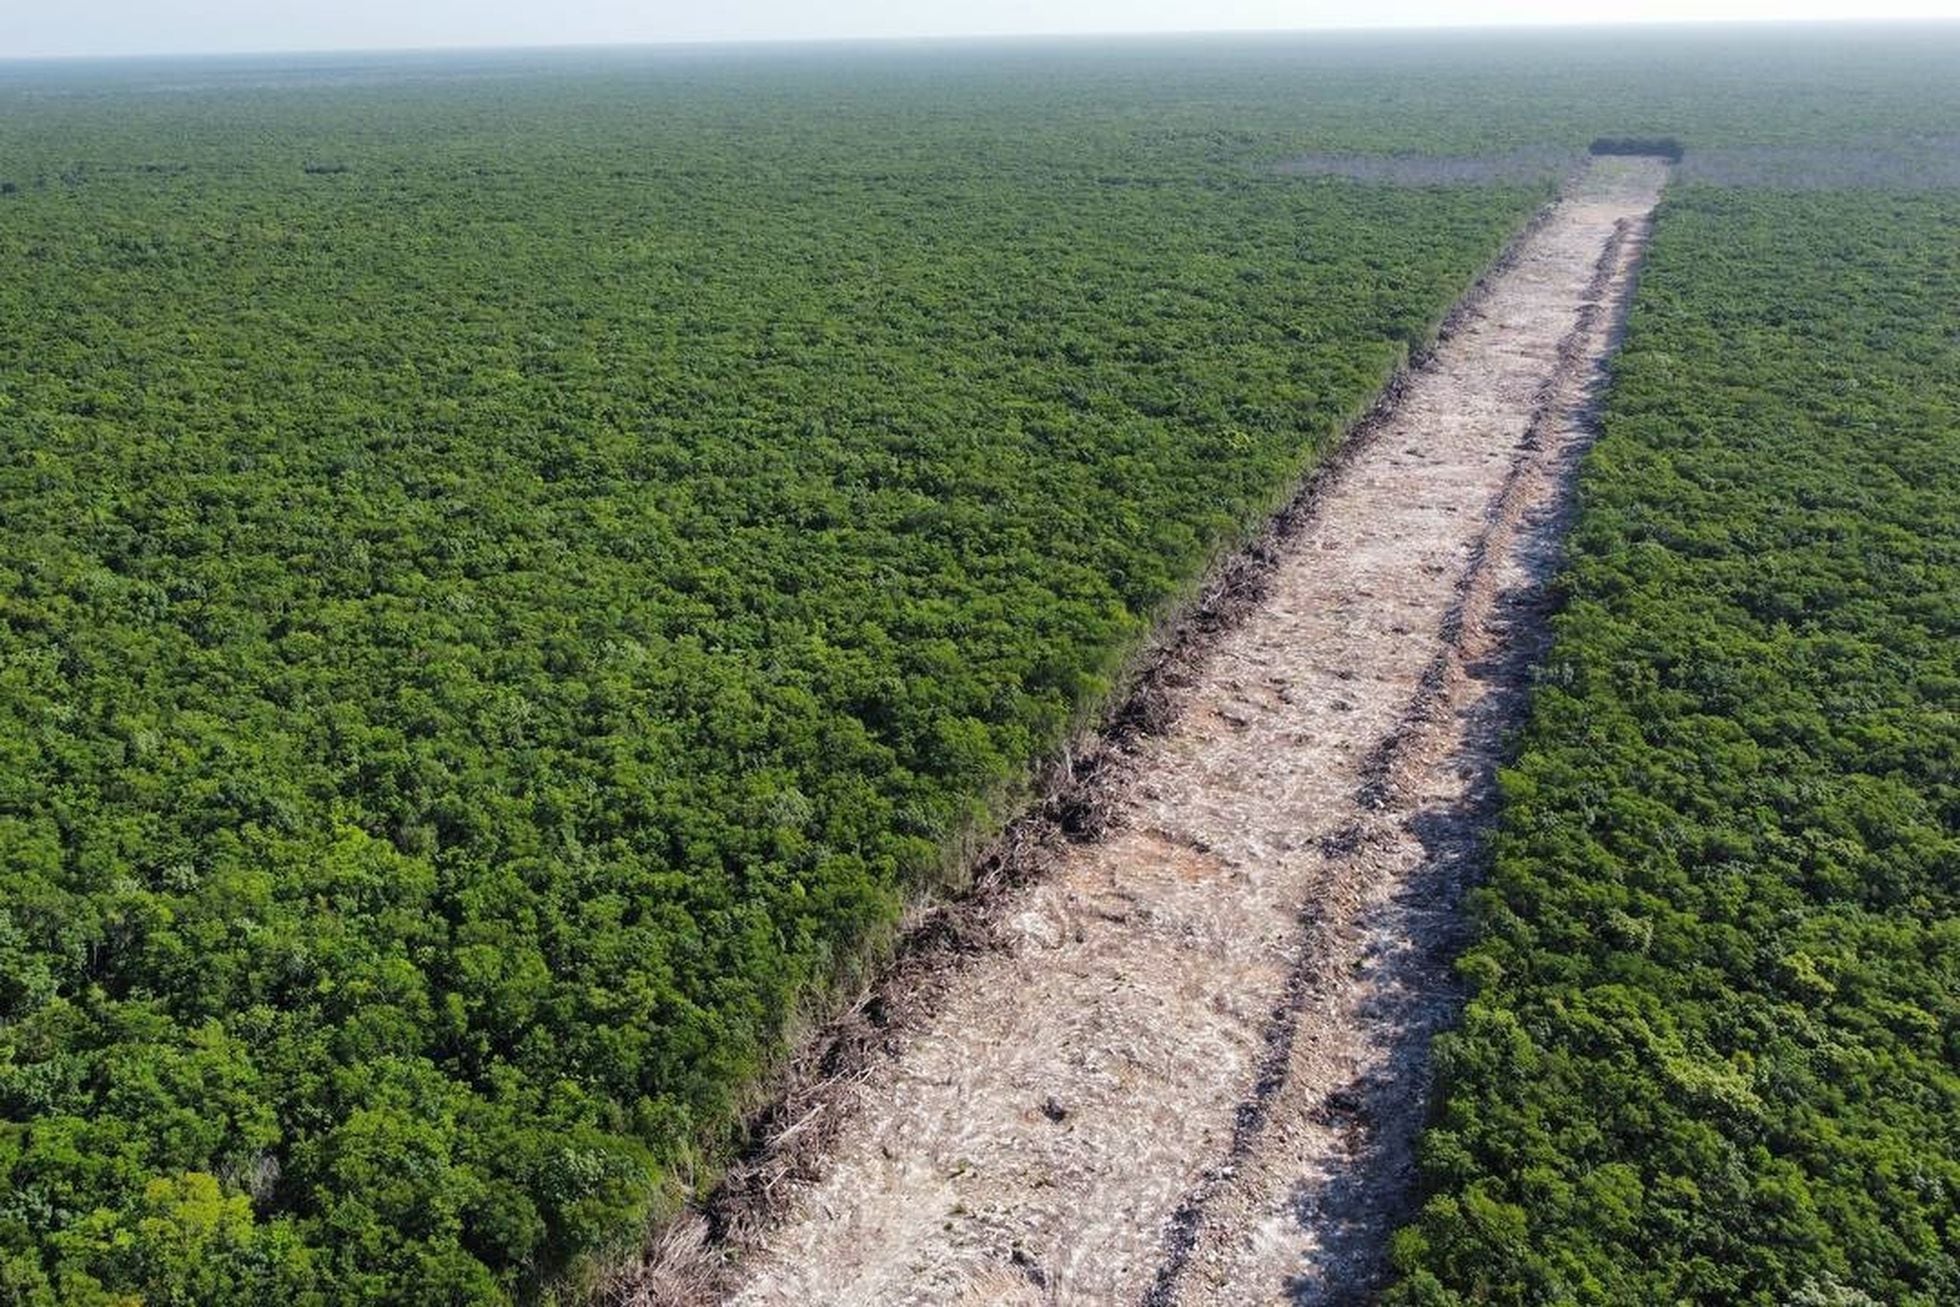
[36, 28]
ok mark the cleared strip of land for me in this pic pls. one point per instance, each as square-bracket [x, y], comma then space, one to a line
[1303, 1210]
[1194, 1073]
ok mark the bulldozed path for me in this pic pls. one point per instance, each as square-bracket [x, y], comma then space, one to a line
[1195, 1072]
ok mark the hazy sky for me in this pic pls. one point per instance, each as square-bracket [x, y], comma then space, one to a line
[56, 27]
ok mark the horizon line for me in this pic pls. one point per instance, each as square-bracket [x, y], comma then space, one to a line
[957, 38]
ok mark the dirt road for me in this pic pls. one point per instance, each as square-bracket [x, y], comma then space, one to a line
[1195, 1075]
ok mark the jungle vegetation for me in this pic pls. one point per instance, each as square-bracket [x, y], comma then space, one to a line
[514, 567]
[1661, 147]
[1713, 1053]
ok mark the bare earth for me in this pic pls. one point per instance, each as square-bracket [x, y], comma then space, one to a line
[1195, 1074]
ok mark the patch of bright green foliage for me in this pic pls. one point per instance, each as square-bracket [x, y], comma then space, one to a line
[1714, 1051]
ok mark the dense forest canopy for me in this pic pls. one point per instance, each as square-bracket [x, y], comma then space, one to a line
[1714, 1052]
[512, 567]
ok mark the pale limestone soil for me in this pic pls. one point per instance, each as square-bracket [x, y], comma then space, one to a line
[1263, 929]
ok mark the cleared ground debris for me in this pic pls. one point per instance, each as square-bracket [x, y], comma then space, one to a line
[1192, 1071]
